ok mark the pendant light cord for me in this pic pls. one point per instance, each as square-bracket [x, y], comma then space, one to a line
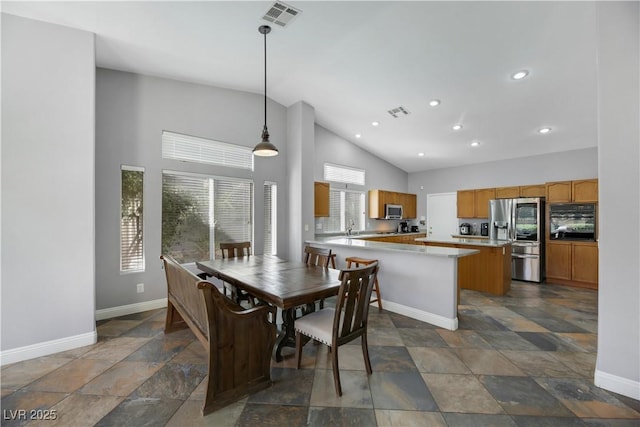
[265, 79]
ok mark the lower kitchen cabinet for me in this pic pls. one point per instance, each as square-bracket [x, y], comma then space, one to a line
[489, 271]
[572, 263]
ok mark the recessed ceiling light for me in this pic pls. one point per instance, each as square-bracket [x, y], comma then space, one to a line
[375, 123]
[544, 130]
[434, 102]
[421, 154]
[457, 127]
[358, 135]
[475, 143]
[520, 75]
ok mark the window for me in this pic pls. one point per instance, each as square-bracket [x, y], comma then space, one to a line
[346, 174]
[270, 218]
[199, 212]
[346, 208]
[200, 150]
[131, 219]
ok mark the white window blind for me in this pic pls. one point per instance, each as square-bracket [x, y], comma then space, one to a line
[346, 174]
[270, 218]
[200, 150]
[346, 207]
[199, 212]
[131, 219]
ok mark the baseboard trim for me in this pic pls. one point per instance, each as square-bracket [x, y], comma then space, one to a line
[423, 316]
[617, 384]
[46, 348]
[123, 310]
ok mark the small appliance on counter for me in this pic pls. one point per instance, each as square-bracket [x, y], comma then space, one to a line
[484, 229]
[414, 229]
[403, 227]
[465, 229]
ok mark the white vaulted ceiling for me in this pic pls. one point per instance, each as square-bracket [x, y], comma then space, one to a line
[354, 61]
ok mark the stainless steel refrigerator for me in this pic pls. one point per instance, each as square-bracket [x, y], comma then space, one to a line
[521, 221]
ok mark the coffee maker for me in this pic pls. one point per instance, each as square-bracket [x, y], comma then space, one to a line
[403, 227]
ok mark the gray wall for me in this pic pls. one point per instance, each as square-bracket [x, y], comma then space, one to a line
[300, 143]
[131, 113]
[48, 98]
[618, 364]
[563, 166]
[380, 174]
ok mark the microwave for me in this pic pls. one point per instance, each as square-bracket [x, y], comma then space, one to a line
[393, 211]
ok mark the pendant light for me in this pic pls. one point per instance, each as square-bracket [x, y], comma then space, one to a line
[265, 148]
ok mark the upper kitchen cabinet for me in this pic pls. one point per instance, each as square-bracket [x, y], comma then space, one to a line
[507, 192]
[379, 198]
[475, 203]
[539, 190]
[585, 191]
[410, 205]
[321, 199]
[482, 201]
[466, 204]
[559, 192]
[580, 191]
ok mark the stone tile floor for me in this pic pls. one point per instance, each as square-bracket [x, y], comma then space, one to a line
[525, 359]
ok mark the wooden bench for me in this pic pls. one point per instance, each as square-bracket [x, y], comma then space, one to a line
[238, 342]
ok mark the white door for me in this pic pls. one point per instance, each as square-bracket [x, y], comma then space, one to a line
[442, 215]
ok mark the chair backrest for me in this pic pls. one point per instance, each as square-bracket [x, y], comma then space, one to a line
[182, 288]
[352, 306]
[317, 256]
[235, 249]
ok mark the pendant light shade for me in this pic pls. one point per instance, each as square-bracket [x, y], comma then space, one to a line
[265, 148]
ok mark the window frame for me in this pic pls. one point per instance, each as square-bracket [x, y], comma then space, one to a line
[211, 207]
[142, 268]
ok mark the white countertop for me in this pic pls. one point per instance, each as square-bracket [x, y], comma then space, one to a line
[359, 242]
[470, 242]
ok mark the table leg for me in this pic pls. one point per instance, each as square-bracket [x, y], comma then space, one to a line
[287, 337]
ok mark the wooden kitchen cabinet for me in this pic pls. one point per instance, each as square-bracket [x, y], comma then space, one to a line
[558, 261]
[533, 190]
[466, 204]
[572, 263]
[507, 192]
[584, 268]
[584, 191]
[475, 203]
[482, 201]
[558, 192]
[579, 191]
[379, 198]
[488, 271]
[321, 199]
[410, 206]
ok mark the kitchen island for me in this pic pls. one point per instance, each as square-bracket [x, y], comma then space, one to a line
[489, 271]
[416, 280]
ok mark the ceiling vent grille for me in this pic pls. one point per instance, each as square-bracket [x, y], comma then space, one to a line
[281, 14]
[399, 112]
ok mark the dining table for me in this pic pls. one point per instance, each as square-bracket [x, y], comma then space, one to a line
[285, 284]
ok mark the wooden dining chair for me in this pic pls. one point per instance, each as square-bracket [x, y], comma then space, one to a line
[344, 323]
[236, 250]
[319, 256]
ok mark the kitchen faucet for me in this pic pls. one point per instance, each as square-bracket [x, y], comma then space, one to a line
[350, 227]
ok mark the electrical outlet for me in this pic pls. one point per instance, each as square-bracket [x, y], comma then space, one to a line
[306, 227]
[140, 287]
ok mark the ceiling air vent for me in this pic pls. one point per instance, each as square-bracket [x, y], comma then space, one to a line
[281, 14]
[399, 112]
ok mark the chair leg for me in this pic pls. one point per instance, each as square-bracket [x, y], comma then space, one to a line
[336, 371]
[365, 353]
[298, 349]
